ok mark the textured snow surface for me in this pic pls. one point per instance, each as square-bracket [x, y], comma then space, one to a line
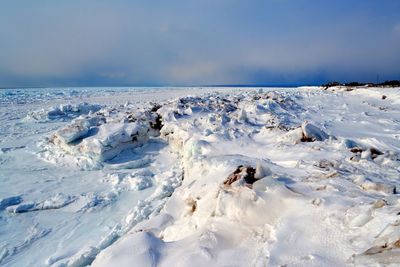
[223, 177]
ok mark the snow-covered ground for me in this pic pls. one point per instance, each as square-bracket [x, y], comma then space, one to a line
[200, 177]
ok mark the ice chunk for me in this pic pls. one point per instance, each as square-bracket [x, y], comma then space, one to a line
[24, 207]
[348, 143]
[73, 132]
[94, 200]
[130, 181]
[10, 201]
[384, 250]
[293, 136]
[84, 257]
[368, 185]
[243, 115]
[382, 187]
[261, 171]
[140, 183]
[361, 219]
[62, 112]
[306, 133]
[56, 202]
[312, 132]
[90, 141]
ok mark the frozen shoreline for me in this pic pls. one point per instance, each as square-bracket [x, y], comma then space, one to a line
[326, 162]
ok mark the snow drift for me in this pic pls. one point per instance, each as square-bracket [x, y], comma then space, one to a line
[288, 177]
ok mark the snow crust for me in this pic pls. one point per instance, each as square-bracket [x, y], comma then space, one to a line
[238, 177]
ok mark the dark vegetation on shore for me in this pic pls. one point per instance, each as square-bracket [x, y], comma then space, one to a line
[392, 83]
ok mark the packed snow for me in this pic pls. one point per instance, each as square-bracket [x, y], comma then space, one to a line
[200, 177]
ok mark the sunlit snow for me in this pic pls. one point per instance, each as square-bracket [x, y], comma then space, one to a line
[199, 176]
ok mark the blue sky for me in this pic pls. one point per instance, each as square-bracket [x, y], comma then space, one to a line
[207, 42]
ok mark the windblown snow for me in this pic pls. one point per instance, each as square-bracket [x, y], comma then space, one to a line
[200, 177]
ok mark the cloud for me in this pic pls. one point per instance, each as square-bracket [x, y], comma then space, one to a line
[203, 42]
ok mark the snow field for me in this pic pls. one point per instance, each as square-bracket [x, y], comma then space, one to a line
[265, 177]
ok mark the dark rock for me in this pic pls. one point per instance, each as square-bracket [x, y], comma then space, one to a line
[331, 84]
[242, 172]
[306, 139]
[157, 123]
[155, 107]
[356, 150]
[375, 153]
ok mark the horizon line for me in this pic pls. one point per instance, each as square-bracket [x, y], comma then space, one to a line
[161, 86]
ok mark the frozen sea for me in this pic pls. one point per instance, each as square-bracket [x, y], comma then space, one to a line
[94, 209]
[200, 176]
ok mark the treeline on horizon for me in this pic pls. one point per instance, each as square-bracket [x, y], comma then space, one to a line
[392, 83]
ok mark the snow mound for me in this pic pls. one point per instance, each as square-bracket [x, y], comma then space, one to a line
[62, 112]
[230, 178]
[140, 249]
[249, 197]
[95, 139]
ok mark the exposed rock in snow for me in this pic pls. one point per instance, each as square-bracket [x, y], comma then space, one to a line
[242, 174]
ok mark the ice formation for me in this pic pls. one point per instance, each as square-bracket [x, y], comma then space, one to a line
[264, 177]
[62, 112]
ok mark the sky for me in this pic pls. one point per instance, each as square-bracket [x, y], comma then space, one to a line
[204, 42]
